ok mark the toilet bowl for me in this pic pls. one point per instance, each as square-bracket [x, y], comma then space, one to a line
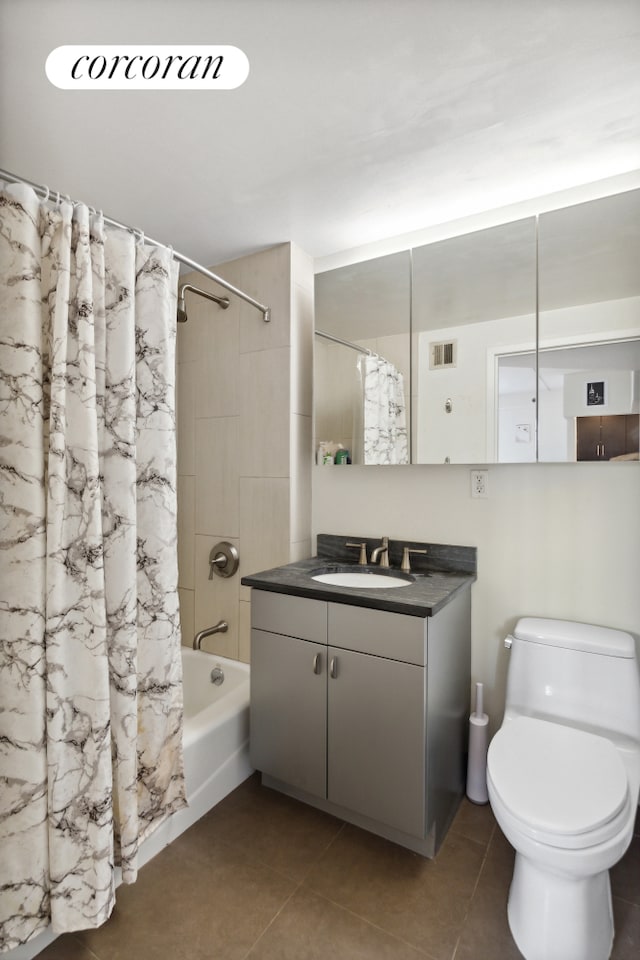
[563, 785]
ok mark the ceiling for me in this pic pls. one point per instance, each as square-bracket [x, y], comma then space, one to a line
[360, 119]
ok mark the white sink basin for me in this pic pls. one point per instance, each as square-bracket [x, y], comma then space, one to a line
[353, 578]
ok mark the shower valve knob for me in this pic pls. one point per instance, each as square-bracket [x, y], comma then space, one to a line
[223, 560]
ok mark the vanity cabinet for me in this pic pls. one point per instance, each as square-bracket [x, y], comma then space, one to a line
[363, 712]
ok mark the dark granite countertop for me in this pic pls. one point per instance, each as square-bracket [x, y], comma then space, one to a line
[436, 577]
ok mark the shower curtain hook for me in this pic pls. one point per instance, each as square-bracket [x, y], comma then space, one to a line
[46, 196]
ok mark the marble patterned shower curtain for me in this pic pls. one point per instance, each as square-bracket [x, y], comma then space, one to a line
[384, 421]
[90, 674]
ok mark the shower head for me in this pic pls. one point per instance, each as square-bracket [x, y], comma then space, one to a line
[182, 309]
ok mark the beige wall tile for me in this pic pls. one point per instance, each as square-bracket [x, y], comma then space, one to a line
[216, 599]
[190, 335]
[264, 525]
[244, 637]
[187, 601]
[302, 267]
[185, 418]
[215, 372]
[247, 457]
[267, 277]
[186, 530]
[302, 350]
[264, 413]
[301, 461]
[216, 487]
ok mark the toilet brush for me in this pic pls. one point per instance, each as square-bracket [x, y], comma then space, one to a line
[478, 744]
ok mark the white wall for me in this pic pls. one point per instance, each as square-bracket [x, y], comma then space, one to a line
[554, 540]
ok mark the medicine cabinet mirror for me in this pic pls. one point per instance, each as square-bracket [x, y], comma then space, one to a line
[589, 330]
[514, 343]
[367, 307]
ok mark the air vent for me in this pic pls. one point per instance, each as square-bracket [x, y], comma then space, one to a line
[442, 355]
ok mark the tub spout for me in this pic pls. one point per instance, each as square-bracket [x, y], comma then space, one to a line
[220, 627]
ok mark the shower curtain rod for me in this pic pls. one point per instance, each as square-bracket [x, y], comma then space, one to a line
[345, 343]
[47, 194]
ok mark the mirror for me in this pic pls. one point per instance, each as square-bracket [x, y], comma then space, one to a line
[361, 401]
[589, 330]
[471, 379]
[474, 334]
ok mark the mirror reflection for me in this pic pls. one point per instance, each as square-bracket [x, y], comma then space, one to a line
[589, 330]
[474, 333]
[362, 362]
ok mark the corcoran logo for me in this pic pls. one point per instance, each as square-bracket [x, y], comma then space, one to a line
[147, 67]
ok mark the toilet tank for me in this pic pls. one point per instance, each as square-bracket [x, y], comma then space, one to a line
[576, 673]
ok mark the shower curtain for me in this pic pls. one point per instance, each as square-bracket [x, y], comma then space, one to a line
[90, 675]
[384, 424]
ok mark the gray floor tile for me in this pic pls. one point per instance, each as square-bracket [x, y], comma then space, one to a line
[284, 834]
[475, 821]
[312, 928]
[189, 909]
[423, 902]
[263, 877]
[67, 947]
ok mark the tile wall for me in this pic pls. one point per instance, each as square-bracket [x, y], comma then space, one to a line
[244, 414]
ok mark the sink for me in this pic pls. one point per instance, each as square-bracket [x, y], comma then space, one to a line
[366, 578]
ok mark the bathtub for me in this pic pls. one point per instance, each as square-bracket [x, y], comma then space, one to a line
[215, 741]
[216, 756]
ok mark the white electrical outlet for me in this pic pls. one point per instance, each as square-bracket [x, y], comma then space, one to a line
[480, 484]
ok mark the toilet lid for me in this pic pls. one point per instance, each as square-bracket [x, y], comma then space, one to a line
[556, 779]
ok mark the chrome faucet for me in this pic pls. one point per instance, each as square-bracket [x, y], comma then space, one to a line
[381, 552]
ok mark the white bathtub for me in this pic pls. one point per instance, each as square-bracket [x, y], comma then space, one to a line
[215, 741]
[216, 756]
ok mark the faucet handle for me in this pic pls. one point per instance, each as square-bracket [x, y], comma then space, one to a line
[405, 566]
[363, 552]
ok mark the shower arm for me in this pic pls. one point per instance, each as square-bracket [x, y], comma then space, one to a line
[221, 301]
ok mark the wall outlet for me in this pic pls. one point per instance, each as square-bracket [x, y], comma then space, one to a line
[480, 484]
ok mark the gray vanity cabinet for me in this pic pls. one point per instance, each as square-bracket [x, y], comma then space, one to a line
[362, 712]
[290, 742]
[289, 690]
[376, 742]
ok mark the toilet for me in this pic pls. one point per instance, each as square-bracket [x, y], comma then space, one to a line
[563, 777]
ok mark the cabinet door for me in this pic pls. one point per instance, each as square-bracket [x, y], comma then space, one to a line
[288, 735]
[376, 738]
[614, 437]
[588, 438]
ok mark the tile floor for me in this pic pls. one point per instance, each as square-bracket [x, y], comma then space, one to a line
[263, 877]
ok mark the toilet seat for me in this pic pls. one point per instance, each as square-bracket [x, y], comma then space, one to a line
[562, 786]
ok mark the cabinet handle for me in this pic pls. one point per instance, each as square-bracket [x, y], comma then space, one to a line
[317, 663]
[333, 667]
[603, 449]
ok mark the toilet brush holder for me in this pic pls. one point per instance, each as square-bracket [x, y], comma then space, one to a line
[478, 745]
